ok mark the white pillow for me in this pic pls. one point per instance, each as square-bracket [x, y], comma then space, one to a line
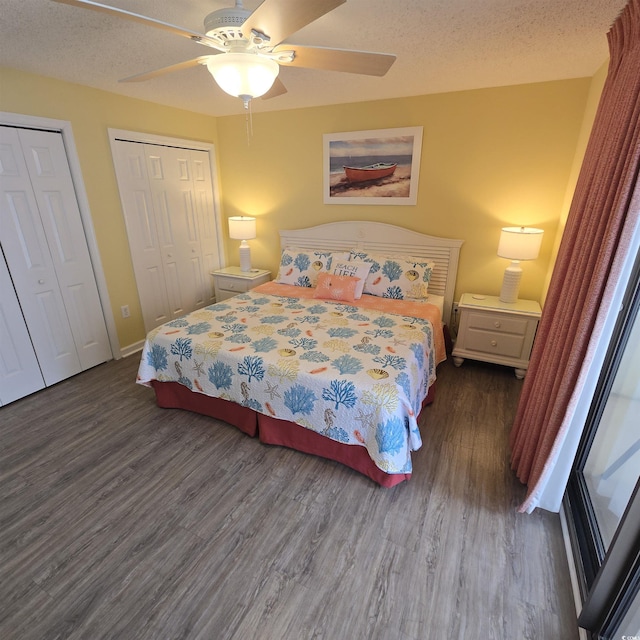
[354, 269]
[401, 277]
[300, 267]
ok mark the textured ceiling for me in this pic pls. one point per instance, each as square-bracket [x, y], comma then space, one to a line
[441, 45]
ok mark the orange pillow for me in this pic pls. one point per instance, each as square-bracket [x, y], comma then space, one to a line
[333, 287]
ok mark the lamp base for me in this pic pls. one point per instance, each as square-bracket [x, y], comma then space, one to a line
[511, 283]
[245, 256]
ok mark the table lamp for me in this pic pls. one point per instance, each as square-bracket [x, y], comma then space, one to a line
[243, 228]
[516, 244]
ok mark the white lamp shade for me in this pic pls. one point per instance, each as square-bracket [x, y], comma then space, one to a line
[520, 243]
[246, 75]
[242, 227]
[516, 244]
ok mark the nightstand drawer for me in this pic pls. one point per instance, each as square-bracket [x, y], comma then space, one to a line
[230, 281]
[494, 331]
[233, 284]
[498, 323]
[498, 344]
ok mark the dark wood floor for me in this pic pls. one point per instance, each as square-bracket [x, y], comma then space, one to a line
[123, 520]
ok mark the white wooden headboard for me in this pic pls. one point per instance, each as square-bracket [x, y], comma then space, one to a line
[389, 239]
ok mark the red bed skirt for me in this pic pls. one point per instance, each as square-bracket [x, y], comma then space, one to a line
[172, 395]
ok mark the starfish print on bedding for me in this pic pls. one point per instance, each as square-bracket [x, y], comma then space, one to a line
[198, 367]
[366, 419]
[272, 390]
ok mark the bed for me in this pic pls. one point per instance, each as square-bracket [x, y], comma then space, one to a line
[309, 364]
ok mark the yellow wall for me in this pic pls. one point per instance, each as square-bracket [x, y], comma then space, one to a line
[91, 113]
[490, 158]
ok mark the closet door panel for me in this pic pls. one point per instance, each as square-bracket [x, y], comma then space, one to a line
[193, 255]
[27, 253]
[172, 282]
[169, 245]
[170, 174]
[143, 232]
[180, 226]
[19, 371]
[203, 189]
[156, 310]
[53, 187]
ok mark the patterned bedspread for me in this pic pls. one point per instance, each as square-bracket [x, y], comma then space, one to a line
[351, 372]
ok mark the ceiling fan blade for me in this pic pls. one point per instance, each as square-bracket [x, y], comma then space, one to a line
[148, 75]
[136, 17]
[280, 18]
[365, 62]
[276, 90]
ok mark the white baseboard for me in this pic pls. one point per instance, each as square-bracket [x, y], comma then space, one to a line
[131, 349]
[577, 597]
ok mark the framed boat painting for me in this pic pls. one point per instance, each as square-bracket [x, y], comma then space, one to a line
[381, 166]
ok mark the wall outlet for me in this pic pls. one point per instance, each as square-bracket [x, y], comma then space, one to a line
[125, 310]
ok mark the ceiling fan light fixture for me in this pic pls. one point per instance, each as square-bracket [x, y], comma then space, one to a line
[243, 75]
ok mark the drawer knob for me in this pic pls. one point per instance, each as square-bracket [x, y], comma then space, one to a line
[494, 343]
[497, 324]
[40, 281]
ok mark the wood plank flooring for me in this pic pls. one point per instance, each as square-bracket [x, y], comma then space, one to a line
[119, 519]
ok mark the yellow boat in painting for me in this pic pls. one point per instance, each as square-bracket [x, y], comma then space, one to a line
[370, 172]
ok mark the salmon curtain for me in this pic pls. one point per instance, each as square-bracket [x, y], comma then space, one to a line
[597, 230]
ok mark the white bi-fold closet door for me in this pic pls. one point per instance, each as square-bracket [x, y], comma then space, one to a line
[20, 373]
[168, 202]
[46, 267]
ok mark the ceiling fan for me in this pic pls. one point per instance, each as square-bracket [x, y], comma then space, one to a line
[248, 47]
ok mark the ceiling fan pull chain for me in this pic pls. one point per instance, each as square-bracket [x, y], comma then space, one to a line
[248, 120]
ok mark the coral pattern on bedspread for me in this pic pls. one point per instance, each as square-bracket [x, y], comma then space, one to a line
[356, 375]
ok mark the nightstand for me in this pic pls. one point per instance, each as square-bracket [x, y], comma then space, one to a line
[498, 332]
[231, 281]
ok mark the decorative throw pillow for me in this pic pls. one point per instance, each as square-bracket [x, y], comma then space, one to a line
[396, 276]
[355, 269]
[333, 287]
[300, 267]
